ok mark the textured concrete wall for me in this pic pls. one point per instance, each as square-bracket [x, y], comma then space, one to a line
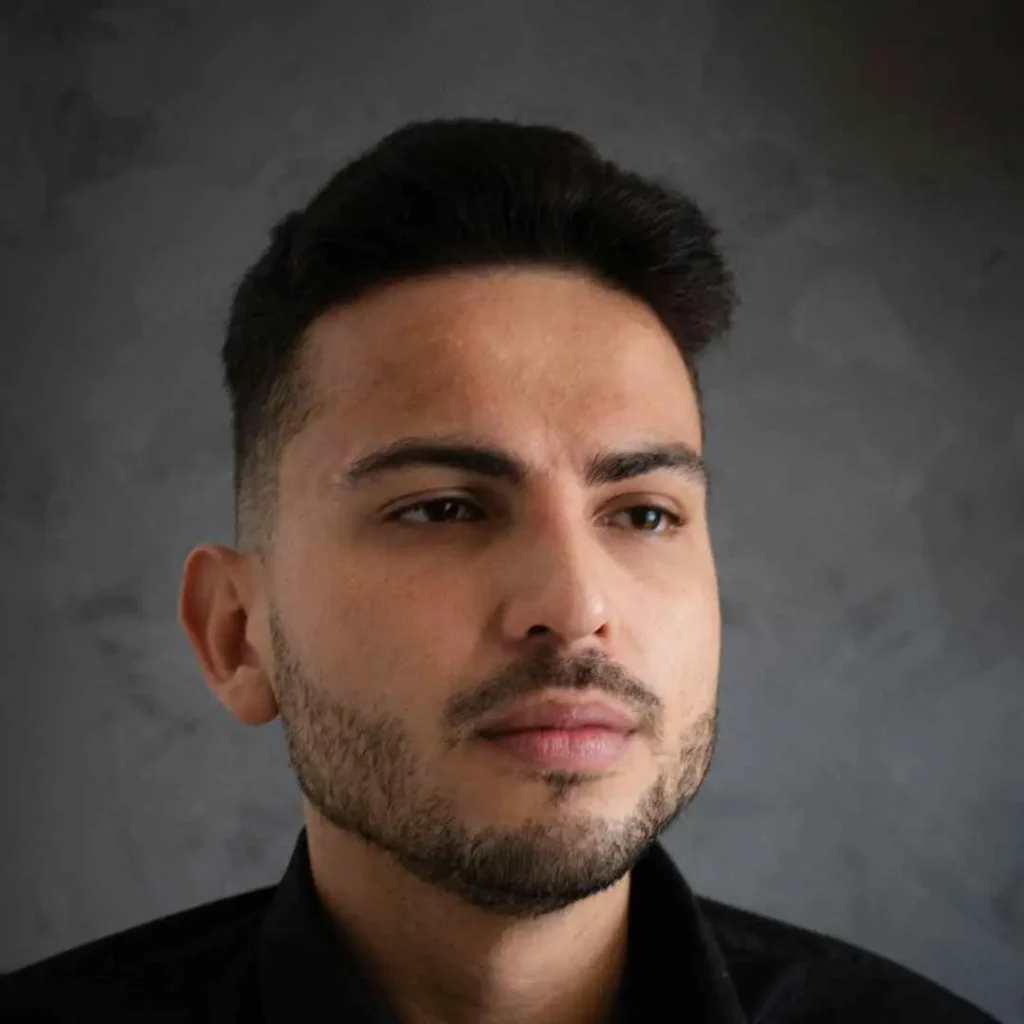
[865, 161]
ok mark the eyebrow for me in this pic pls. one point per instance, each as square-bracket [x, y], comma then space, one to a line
[605, 467]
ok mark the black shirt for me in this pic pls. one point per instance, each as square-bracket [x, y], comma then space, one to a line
[270, 956]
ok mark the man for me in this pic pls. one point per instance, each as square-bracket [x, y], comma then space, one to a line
[473, 577]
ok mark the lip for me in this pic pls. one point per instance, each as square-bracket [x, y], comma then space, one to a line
[574, 750]
[560, 714]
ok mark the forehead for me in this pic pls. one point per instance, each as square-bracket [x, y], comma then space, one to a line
[483, 349]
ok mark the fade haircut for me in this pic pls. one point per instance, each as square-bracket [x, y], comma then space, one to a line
[442, 195]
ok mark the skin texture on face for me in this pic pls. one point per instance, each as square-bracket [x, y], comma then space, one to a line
[383, 630]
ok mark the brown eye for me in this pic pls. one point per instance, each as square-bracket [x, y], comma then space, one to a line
[645, 514]
[442, 505]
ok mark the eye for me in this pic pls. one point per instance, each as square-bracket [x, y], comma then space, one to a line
[442, 507]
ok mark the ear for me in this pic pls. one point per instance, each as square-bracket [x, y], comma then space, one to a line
[223, 611]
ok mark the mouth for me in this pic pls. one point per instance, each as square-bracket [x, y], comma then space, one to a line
[585, 748]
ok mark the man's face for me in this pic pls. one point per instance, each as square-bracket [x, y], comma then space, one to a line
[396, 628]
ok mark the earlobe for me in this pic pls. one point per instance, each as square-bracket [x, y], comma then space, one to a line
[216, 606]
[249, 697]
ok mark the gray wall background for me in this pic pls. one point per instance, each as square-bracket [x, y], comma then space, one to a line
[865, 162]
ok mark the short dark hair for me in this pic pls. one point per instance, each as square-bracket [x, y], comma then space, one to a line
[436, 196]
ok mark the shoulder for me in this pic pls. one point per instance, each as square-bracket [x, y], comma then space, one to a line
[161, 967]
[786, 974]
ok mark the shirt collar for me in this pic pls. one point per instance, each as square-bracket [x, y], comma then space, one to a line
[308, 970]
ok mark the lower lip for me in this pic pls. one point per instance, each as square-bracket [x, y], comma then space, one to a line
[587, 749]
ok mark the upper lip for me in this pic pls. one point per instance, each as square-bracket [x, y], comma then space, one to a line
[560, 714]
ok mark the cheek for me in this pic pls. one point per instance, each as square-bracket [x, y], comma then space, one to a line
[699, 599]
[394, 640]
[701, 629]
[684, 594]
[690, 643]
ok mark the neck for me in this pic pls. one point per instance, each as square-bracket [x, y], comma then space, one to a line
[438, 960]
